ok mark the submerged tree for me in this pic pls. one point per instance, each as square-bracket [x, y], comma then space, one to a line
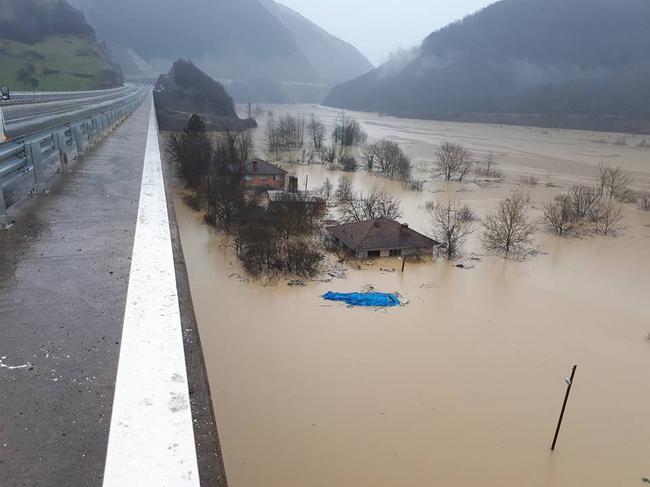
[452, 226]
[348, 132]
[285, 133]
[316, 133]
[559, 217]
[387, 158]
[612, 183]
[356, 207]
[508, 229]
[453, 161]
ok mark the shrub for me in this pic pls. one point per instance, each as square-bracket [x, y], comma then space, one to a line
[192, 201]
[530, 180]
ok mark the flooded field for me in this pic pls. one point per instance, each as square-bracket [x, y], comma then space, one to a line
[463, 386]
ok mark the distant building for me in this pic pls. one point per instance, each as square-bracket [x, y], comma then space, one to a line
[381, 238]
[260, 175]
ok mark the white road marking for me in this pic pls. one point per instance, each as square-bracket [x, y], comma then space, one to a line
[151, 440]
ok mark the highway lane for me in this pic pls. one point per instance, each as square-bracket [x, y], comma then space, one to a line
[22, 120]
[28, 97]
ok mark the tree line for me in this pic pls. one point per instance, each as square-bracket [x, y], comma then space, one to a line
[277, 239]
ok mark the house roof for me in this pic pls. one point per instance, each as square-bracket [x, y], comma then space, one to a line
[380, 234]
[276, 196]
[262, 168]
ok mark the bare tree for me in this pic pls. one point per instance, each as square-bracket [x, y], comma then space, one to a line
[326, 188]
[358, 207]
[612, 182]
[644, 202]
[316, 132]
[559, 216]
[329, 155]
[348, 132]
[239, 146]
[368, 155]
[284, 134]
[387, 158]
[508, 229]
[344, 191]
[452, 226]
[607, 217]
[584, 200]
[453, 161]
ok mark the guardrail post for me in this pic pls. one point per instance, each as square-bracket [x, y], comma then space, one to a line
[62, 146]
[3, 129]
[35, 156]
[77, 136]
[4, 220]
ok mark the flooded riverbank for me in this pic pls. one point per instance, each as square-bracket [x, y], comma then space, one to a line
[462, 386]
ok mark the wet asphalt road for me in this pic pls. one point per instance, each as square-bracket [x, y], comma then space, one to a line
[64, 271]
[64, 274]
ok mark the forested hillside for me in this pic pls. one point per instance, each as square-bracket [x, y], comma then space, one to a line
[48, 45]
[542, 57]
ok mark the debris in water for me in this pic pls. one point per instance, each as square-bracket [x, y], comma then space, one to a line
[297, 283]
[239, 277]
[370, 299]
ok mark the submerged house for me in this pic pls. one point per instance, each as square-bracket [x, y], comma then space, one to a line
[381, 238]
[262, 175]
[294, 197]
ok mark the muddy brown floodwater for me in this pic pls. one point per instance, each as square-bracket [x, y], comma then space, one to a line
[463, 386]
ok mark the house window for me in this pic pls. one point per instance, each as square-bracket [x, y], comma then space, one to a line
[263, 178]
[248, 178]
[395, 252]
[374, 253]
[275, 178]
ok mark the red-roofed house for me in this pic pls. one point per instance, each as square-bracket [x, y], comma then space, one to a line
[259, 175]
[381, 238]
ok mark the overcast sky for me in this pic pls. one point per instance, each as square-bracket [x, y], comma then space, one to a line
[379, 27]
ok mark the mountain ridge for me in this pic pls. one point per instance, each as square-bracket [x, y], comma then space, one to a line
[228, 39]
[545, 58]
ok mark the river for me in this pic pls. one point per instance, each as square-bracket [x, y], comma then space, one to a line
[463, 386]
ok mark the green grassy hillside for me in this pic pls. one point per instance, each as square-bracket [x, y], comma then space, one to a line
[55, 63]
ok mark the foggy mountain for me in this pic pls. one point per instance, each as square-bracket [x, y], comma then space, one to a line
[335, 60]
[228, 39]
[48, 45]
[531, 57]
[186, 90]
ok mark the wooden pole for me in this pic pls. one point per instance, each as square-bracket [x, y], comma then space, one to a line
[566, 399]
[403, 263]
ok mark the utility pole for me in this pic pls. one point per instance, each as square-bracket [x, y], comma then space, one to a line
[566, 399]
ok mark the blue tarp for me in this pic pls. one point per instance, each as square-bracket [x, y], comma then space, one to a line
[375, 300]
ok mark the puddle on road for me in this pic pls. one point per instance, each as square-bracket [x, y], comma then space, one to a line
[463, 386]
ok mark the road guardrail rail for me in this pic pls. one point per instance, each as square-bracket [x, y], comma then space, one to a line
[23, 160]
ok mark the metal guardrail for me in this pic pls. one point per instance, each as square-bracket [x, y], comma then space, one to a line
[24, 160]
[31, 97]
